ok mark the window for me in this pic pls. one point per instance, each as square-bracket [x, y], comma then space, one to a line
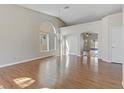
[44, 42]
[47, 41]
[48, 37]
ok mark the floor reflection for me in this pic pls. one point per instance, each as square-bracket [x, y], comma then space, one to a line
[91, 60]
[53, 71]
[24, 82]
[1, 87]
[47, 71]
[45, 88]
[67, 61]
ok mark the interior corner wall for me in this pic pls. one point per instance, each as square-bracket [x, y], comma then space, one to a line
[104, 41]
[19, 33]
[107, 24]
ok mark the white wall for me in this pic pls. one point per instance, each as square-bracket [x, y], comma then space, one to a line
[72, 42]
[76, 30]
[108, 23]
[123, 48]
[19, 33]
[102, 27]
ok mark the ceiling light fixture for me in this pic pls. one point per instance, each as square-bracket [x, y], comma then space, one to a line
[66, 7]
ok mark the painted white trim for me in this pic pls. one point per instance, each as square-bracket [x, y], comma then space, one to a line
[74, 54]
[109, 60]
[79, 55]
[24, 61]
[106, 60]
[48, 42]
[122, 84]
[69, 54]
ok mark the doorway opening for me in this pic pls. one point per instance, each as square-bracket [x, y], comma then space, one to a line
[89, 44]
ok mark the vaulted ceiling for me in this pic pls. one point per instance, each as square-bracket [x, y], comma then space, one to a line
[76, 13]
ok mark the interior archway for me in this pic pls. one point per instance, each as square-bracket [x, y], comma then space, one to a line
[48, 36]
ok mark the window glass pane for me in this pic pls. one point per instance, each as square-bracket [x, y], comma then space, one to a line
[43, 39]
[51, 41]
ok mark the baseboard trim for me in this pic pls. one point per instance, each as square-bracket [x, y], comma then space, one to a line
[105, 60]
[24, 61]
[74, 54]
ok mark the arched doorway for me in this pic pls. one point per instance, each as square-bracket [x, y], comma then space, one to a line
[48, 37]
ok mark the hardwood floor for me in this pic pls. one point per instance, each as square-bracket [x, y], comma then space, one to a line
[64, 72]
